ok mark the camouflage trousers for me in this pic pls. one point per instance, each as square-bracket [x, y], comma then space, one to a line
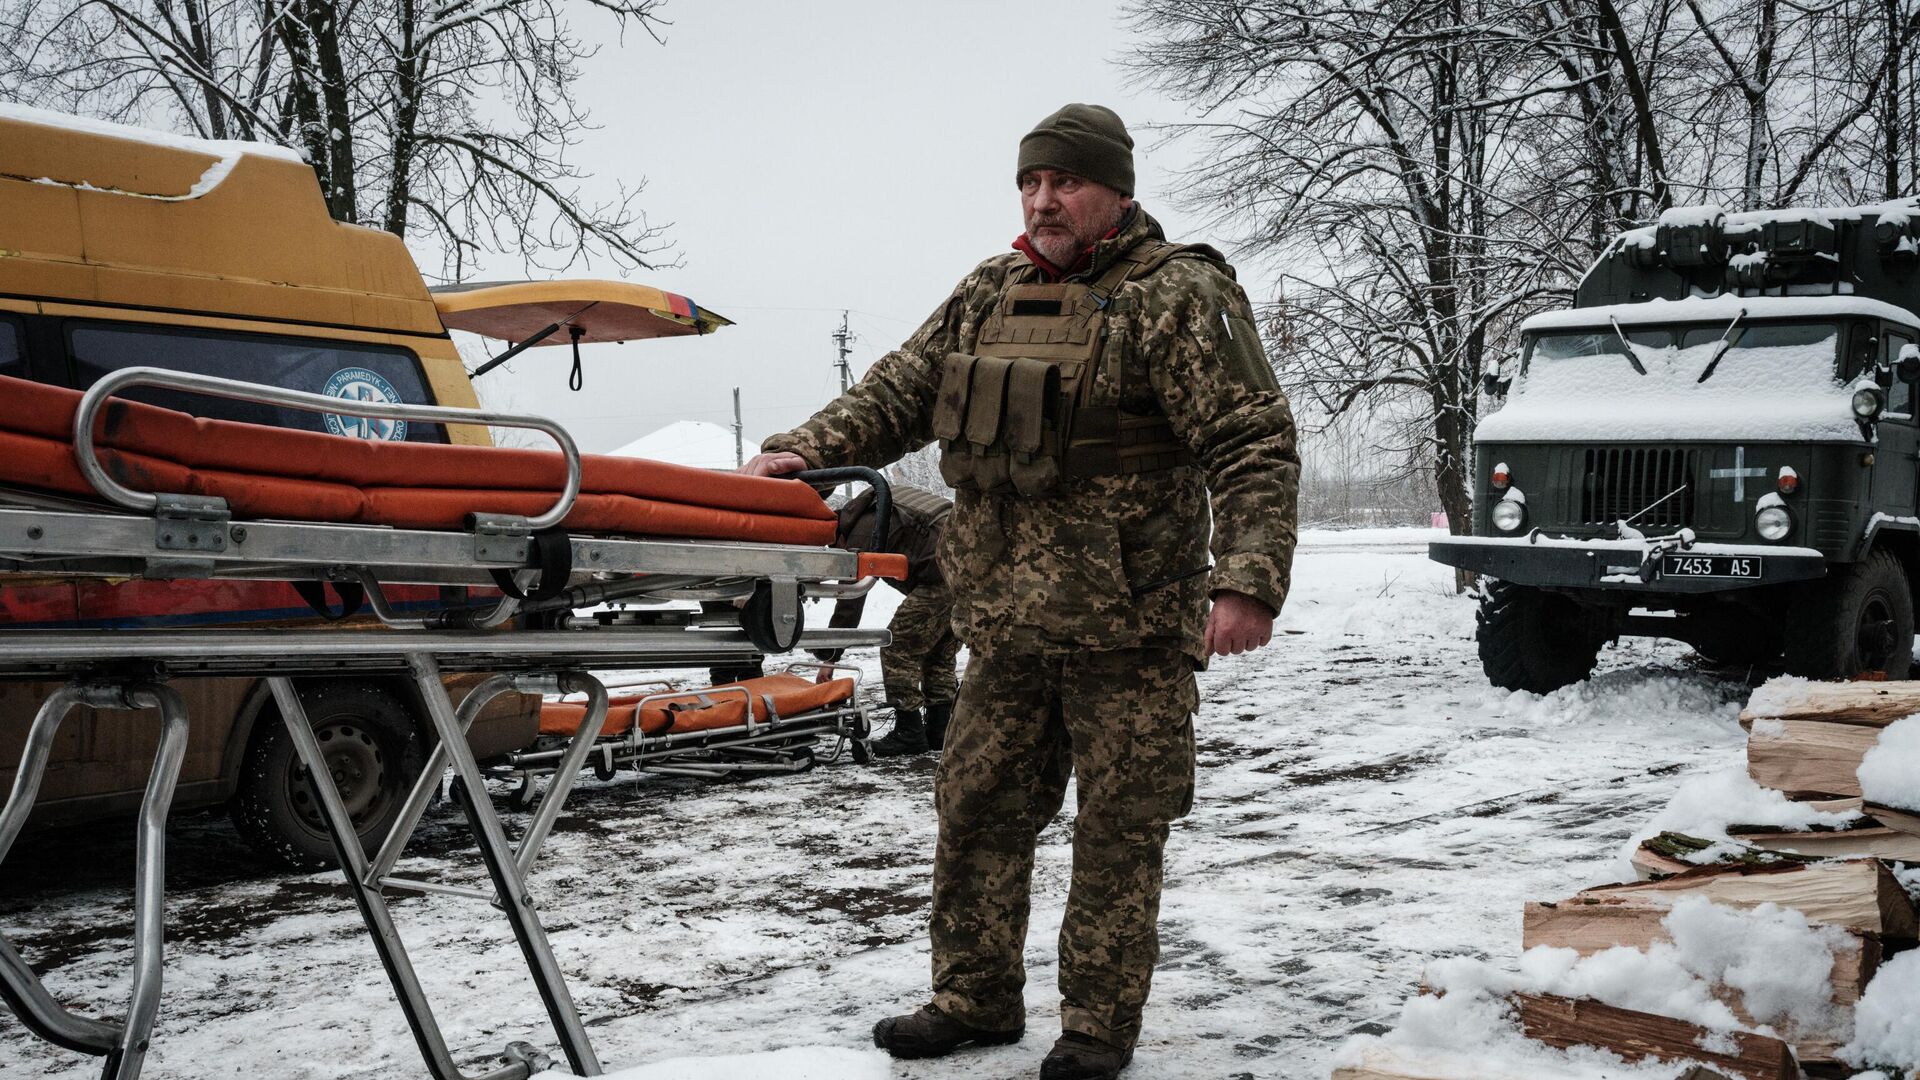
[1026, 720]
[917, 667]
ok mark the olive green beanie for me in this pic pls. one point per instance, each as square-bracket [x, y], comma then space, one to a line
[1086, 140]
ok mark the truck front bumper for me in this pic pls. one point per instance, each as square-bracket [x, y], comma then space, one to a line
[1623, 565]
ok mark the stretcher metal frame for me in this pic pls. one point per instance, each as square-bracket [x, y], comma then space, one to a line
[776, 744]
[165, 536]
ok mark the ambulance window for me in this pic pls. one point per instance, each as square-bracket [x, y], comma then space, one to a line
[339, 369]
[13, 358]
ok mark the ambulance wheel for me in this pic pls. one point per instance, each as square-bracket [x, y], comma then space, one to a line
[1857, 619]
[1534, 640]
[373, 750]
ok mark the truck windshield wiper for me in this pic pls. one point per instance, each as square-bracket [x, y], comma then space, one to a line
[1726, 342]
[1632, 357]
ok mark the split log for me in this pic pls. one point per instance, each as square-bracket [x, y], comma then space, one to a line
[1672, 853]
[1857, 894]
[1395, 1063]
[1872, 704]
[1906, 821]
[1867, 842]
[1636, 1036]
[1808, 758]
[1629, 921]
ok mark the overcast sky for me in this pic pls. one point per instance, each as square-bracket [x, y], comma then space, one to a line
[809, 158]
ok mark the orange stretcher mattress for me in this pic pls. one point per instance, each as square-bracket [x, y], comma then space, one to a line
[701, 710]
[269, 472]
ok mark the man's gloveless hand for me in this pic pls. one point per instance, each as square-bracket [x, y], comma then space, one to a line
[1238, 623]
[775, 464]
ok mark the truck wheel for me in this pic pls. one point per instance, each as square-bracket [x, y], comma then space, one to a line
[1859, 619]
[373, 749]
[1533, 640]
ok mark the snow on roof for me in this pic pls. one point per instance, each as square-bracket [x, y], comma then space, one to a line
[688, 442]
[225, 152]
[1720, 309]
[1896, 210]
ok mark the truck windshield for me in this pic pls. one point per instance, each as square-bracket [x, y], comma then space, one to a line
[1698, 351]
[1743, 378]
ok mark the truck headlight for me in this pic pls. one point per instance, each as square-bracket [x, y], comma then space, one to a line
[1867, 402]
[1773, 522]
[1509, 514]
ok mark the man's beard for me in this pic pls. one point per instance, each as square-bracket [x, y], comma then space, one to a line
[1062, 249]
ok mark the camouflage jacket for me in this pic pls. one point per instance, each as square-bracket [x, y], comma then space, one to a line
[1107, 561]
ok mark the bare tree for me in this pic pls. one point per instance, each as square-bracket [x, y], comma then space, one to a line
[447, 121]
[1367, 148]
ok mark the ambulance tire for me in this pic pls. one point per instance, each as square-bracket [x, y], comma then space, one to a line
[1534, 640]
[1856, 620]
[374, 749]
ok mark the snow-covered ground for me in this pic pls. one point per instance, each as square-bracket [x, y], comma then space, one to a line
[1366, 803]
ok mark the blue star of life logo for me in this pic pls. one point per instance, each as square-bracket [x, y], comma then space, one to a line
[359, 384]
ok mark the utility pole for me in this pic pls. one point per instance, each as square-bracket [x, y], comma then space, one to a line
[739, 433]
[843, 338]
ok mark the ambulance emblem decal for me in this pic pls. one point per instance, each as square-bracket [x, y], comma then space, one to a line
[359, 384]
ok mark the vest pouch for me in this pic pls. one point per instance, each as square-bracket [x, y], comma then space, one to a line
[986, 425]
[950, 418]
[1033, 429]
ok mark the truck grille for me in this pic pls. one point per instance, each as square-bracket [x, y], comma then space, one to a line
[1621, 481]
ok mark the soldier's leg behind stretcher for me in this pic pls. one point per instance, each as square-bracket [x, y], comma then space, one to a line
[1129, 713]
[1002, 780]
[917, 625]
[939, 680]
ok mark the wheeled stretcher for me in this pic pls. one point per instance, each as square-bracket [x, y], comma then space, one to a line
[772, 723]
[99, 486]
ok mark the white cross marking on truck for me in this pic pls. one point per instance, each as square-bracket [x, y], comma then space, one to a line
[1738, 473]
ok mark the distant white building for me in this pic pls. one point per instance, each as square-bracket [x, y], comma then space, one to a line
[689, 442]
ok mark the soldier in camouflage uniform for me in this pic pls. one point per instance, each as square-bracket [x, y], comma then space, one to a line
[1097, 394]
[917, 666]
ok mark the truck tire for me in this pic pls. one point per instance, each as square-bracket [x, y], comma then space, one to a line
[1857, 619]
[1533, 640]
[375, 751]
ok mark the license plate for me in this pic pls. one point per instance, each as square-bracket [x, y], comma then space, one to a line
[1727, 566]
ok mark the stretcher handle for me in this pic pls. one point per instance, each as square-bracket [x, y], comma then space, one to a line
[234, 389]
[882, 495]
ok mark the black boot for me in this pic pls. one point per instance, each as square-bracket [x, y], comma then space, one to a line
[1083, 1057]
[939, 714]
[932, 1033]
[909, 736]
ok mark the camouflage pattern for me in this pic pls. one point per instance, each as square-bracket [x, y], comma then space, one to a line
[1114, 561]
[918, 666]
[1085, 610]
[1027, 718]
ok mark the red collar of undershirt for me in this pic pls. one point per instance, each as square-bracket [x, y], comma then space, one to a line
[1048, 271]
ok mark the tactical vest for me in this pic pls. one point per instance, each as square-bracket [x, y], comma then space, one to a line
[1019, 412]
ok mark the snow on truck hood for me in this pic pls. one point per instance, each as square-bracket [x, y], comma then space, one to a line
[1778, 393]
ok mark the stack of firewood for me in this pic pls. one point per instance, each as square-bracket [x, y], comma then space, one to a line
[1806, 740]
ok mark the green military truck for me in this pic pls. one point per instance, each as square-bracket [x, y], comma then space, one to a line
[1715, 444]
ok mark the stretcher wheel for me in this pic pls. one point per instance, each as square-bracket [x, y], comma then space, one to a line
[603, 767]
[862, 753]
[768, 632]
[373, 749]
[520, 799]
